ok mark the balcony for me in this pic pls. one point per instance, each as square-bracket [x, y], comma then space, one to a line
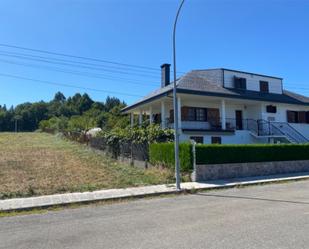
[212, 125]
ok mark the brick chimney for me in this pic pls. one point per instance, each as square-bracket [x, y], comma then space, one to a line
[165, 74]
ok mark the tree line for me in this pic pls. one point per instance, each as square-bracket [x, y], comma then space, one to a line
[78, 112]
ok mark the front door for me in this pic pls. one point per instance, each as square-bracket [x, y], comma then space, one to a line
[239, 125]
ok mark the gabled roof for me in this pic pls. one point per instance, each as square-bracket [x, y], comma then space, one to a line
[196, 83]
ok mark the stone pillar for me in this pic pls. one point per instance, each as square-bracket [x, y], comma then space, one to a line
[150, 115]
[140, 118]
[223, 114]
[132, 119]
[163, 123]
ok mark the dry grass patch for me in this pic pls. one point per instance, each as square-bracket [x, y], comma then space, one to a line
[39, 163]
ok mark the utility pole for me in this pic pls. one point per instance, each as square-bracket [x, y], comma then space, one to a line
[175, 104]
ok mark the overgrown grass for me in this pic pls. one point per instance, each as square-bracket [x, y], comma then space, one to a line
[38, 164]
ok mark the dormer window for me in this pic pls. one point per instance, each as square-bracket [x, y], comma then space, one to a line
[264, 87]
[240, 83]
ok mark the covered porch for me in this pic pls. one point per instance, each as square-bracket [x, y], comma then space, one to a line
[199, 113]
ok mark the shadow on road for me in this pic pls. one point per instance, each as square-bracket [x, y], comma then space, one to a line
[251, 198]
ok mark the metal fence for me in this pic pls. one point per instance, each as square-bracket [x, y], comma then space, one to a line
[134, 153]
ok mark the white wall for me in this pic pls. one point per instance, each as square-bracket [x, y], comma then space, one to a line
[253, 81]
[281, 115]
[239, 137]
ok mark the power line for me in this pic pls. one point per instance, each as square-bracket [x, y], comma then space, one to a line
[66, 85]
[86, 74]
[87, 67]
[79, 57]
[25, 56]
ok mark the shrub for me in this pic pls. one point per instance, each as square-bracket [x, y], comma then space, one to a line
[216, 154]
[54, 124]
[163, 154]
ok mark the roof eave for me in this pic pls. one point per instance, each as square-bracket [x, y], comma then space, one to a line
[128, 108]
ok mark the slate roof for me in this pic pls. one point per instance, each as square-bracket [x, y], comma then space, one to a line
[194, 82]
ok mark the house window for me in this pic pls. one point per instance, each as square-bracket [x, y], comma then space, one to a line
[191, 114]
[302, 117]
[216, 140]
[200, 114]
[271, 109]
[307, 117]
[297, 117]
[198, 140]
[264, 87]
[292, 117]
[240, 83]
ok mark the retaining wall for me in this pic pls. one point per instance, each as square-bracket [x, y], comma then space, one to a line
[239, 170]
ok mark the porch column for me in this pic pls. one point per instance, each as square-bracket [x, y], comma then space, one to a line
[223, 118]
[132, 119]
[163, 123]
[179, 112]
[140, 117]
[150, 115]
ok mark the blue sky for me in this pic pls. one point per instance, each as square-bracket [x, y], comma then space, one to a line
[268, 37]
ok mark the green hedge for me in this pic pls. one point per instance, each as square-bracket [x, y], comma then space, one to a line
[216, 154]
[163, 154]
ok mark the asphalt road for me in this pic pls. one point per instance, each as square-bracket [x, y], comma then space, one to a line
[270, 216]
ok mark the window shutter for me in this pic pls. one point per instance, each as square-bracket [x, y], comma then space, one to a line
[213, 116]
[290, 116]
[302, 117]
[264, 86]
[307, 117]
[184, 113]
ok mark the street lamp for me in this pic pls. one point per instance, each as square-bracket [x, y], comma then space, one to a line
[177, 166]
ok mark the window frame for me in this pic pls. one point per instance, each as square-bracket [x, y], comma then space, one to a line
[264, 86]
[198, 117]
[271, 109]
[196, 138]
[240, 83]
[216, 140]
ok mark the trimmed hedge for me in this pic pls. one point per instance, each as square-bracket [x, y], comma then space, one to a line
[163, 154]
[216, 154]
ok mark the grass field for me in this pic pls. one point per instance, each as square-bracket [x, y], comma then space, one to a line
[38, 163]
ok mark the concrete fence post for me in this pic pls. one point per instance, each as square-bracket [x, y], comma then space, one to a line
[193, 176]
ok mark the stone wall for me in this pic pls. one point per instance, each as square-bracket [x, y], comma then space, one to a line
[239, 170]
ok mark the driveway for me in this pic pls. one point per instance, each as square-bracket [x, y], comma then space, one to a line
[269, 216]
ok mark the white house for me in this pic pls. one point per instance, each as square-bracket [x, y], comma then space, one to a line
[227, 106]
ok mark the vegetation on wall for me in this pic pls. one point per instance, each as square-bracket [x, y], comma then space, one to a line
[216, 154]
[163, 154]
[142, 135]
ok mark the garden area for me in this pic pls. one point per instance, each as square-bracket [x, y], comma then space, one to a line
[39, 163]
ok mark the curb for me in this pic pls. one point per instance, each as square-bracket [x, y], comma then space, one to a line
[57, 200]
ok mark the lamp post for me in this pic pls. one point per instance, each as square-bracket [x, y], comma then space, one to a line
[175, 104]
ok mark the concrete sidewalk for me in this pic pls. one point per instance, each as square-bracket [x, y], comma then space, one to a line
[114, 194]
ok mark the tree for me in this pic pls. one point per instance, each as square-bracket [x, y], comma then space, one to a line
[59, 97]
[111, 102]
[81, 123]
